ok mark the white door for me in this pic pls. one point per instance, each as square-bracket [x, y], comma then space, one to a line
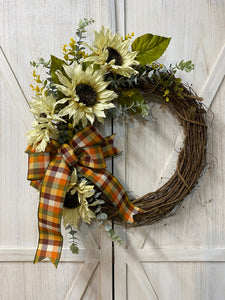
[182, 257]
[28, 30]
[177, 259]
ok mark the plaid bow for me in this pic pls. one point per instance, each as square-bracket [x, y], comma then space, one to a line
[50, 173]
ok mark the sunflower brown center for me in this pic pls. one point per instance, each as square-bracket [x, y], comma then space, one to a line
[87, 94]
[71, 201]
[114, 54]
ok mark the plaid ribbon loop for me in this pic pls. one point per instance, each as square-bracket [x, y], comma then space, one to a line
[50, 172]
[92, 157]
[68, 155]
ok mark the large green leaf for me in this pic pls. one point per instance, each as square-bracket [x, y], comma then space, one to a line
[150, 47]
[56, 64]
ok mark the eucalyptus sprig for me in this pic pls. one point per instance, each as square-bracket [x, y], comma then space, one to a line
[76, 50]
[158, 75]
[102, 219]
[73, 239]
[40, 62]
[187, 66]
[81, 30]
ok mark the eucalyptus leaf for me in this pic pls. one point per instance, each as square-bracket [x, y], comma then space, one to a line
[74, 249]
[108, 227]
[150, 74]
[100, 202]
[95, 203]
[73, 232]
[98, 194]
[102, 216]
[150, 47]
[114, 236]
[98, 209]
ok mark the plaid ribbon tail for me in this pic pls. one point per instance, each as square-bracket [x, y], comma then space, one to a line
[113, 190]
[36, 184]
[52, 194]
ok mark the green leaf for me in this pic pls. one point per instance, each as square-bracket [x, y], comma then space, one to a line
[82, 24]
[100, 202]
[98, 209]
[187, 66]
[150, 47]
[114, 236]
[150, 74]
[86, 64]
[102, 216]
[73, 232]
[108, 227]
[74, 249]
[97, 195]
[56, 64]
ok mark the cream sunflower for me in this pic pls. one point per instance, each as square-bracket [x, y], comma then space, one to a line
[44, 128]
[86, 94]
[111, 53]
[78, 208]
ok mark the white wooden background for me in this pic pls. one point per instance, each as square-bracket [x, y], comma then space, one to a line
[180, 258]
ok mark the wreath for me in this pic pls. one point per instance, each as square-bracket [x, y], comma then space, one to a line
[67, 154]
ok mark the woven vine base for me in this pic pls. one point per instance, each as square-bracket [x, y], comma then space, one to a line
[190, 164]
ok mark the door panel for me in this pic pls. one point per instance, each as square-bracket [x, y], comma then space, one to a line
[30, 30]
[193, 240]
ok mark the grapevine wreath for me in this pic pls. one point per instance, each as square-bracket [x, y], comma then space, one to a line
[67, 153]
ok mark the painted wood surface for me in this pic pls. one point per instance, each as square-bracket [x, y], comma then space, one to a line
[169, 260]
[29, 30]
[179, 258]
